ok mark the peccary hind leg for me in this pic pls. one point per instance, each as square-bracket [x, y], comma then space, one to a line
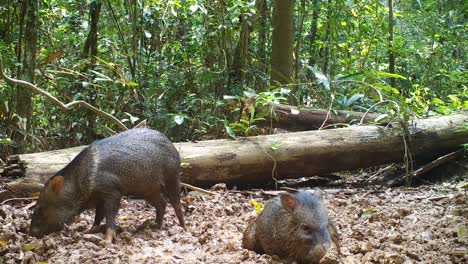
[112, 205]
[160, 206]
[100, 213]
[179, 214]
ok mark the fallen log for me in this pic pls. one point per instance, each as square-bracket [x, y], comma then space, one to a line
[253, 160]
[301, 119]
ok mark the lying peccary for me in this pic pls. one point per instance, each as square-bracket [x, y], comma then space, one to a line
[293, 226]
[140, 162]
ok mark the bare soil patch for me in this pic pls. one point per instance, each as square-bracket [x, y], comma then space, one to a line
[402, 225]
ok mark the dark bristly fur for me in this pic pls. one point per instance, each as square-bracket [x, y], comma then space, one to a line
[140, 162]
[293, 226]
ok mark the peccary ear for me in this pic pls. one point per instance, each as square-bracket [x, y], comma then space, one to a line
[56, 184]
[288, 201]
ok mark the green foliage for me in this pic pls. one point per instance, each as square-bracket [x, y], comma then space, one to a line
[171, 62]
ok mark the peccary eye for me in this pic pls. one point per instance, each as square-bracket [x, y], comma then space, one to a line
[309, 229]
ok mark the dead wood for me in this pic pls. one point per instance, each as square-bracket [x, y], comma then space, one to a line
[253, 160]
[301, 119]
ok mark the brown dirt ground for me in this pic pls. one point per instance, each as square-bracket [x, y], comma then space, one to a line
[400, 225]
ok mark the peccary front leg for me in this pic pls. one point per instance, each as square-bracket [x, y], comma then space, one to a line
[249, 239]
[112, 205]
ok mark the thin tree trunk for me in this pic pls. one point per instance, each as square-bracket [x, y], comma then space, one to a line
[90, 51]
[391, 52]
[297, 52]
[262, 8]
[313, 33]
[328, 37]
[282, 64]
[24, 105]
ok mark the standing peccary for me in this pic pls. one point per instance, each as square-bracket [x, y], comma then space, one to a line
[140, 162]
[294, 226]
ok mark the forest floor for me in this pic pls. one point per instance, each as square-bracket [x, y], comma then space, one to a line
[425, 224]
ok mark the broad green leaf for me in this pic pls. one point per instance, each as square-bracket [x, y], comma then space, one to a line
[321, 78]
[5, 141]
[454, 98]
[230, 132]
[389, 75]
[353, 99]
[250, 93]
[352, 76]
[131, 84]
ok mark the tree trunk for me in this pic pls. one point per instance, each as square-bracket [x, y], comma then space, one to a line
[391, 52]
[299, 154]
[328, 37]
[90, 51]
[24, 105]
[292, 119]
[313, 33]
[282, 42]
[262, 8]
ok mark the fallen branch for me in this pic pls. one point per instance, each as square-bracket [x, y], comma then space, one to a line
[65, 107]
[436, 163]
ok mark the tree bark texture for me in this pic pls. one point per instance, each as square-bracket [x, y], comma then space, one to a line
[282, 64]
[24, 97]
[391, 52]
[252, 160]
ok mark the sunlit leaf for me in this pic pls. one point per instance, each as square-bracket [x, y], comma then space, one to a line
[250, 93]
[5, 141]
[353, 99]
[179, 120]
[390, 75]
[381, 117]
[230, 132]
[29, 247]
[462, 231]
[369, 211]
[230, 97]
[322, 78]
